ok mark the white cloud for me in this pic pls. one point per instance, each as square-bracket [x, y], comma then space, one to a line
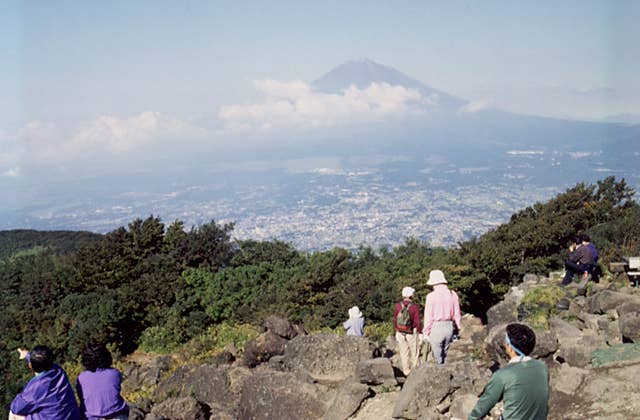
[296, 105]
[11, 173]
[475, 106]
[48, 142]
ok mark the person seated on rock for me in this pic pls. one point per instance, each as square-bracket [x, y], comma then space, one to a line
[441, 316]
[586, 241]
[355, 324]
[49, 394]
[98, 385]
[523, 384]
[406, 322]
[580, 261]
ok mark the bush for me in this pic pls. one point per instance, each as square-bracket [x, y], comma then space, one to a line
[378, 332]
[159, 339]
[217, 337]
[539, 304]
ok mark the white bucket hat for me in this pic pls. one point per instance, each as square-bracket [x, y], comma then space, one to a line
[408, 291]
[354, 312]
[436, 277]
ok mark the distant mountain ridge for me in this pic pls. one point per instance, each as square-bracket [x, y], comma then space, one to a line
[362, 73]
[454, 126]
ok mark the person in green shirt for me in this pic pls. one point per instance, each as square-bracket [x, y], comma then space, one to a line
[523, 384]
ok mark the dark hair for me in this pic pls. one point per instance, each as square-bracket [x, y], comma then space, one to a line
[585, 238]
[95, 355]
[41, 359]
[522, 337]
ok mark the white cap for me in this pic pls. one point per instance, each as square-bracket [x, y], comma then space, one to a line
[408, 291]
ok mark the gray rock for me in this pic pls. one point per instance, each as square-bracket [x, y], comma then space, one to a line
[605, 394]
[350, 396]
[630, 327]
[218, 413]
[146, 375]
[207, 383]
[504, 312]
[281, 327]
[431, 384]
[279, 395]
[378, 407]
[494, 344]
[600, 303]
[576, 351]
[612, 333]
[632, 306]
[376, 371]
[562, 329]
[592, 321]
[575, 345]
[135, 413]
[328, 358]
[185, 408]
[546, 344]
[262, 348]
[462, 405]
[567, 379]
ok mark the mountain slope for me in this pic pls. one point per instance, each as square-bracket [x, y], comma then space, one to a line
[361, 73]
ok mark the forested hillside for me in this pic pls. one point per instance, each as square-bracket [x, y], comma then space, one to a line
[62, 242]
[158, 286]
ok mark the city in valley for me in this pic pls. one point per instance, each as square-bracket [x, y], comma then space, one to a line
[323, 203]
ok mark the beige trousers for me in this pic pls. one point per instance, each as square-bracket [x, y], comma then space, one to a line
[15, 416]
[408, 349]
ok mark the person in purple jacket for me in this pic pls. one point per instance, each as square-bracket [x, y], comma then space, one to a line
[48, 396]
[99, 385]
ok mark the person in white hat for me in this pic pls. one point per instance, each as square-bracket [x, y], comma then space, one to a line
[406, 321]
[441, 316]
[355, 324]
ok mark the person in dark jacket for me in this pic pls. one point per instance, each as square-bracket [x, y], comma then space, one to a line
[586, 241]
[49, 395]
[99, 385]
[580, 261]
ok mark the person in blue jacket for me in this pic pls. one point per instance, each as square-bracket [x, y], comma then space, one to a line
[49, 395]
[99, 385]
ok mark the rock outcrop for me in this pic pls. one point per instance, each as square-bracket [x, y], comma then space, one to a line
[590, 344]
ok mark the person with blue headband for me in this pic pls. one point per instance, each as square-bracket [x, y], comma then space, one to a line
[523, 384]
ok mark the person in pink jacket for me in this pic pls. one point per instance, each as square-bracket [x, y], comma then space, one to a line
[441, 316]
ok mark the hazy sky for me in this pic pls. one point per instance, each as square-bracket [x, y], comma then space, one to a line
[78, 75]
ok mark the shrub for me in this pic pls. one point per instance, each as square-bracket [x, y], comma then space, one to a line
[378, 332]
[217, 337]
[539, 303]
[159, 339]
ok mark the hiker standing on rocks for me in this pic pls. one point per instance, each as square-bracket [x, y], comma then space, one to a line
[47, 396]
[441, 316]
[580, 261]
[99, 385]
[355, 324]
[523, 384]
[406, 321]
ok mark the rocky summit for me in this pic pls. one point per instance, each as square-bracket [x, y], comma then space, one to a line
[589, 341]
